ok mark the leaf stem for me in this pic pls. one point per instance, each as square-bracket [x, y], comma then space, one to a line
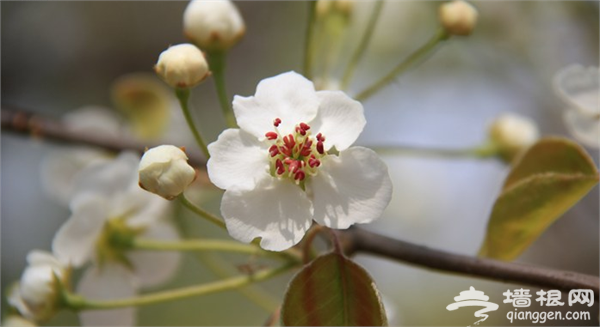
[308, 40]
[412, 59]
[183, 95]
[201, 212]
[77, 302]
[362, 46]
[218, 62]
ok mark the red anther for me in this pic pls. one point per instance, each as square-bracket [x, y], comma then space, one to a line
[312, 162]
[271, 135]
[279, 166]
[276, 122]
[304, 127]
[320, 137]
[288, 161]
[305, 151]
[274, 150]
[289, 141]
[300, 131]
[320, 147]
[294, 166]
[299, 176]
[285, 150]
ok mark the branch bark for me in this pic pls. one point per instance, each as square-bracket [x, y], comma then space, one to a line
[355, 240]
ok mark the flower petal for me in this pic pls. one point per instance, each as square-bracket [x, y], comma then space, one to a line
[352, 188]
[110, 177]
[288, 96]
[276, 210]
[585, 128]
[156, 267]
[340, 119]
[237, 160]
[110, 282]
[579, 87]
[141, 208]
[61, 168]
[75, 240]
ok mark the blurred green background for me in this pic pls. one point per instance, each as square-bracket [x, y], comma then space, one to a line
[59, 56]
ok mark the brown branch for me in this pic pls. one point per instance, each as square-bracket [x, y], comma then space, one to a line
[358, 240]
[21, 122]
[355, 240]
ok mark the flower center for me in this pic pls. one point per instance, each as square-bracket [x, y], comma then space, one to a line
[116, 238]
[296, 155]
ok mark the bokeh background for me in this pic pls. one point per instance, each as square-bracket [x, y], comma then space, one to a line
[60, 56]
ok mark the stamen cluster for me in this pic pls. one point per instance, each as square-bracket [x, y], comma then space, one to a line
[295, 155]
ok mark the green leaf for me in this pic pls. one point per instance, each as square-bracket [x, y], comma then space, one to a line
[551, 177]
[332, 291]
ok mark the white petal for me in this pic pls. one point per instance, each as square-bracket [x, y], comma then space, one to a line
[340, 119]
[16, 301]
[585, 128]
[61, 167]
[237, 160]
[140, 207]
[579, 87]
[107, 283]
[156, 267]
[75, 240]
[94, 120]
[276, 210]
[288, 96]
[39, 257]
[352, 188]
[109, 178]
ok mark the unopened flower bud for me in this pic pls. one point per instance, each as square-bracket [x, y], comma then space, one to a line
[164, 170]
[213, 24]
[182, 66]
[36, 297]
[458, 17]
[512, 134]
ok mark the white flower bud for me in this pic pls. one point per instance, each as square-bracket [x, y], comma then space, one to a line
[182, 66]
[458, 17]
[213, 24]
[512, 134]
[164, 170]
[36, 296]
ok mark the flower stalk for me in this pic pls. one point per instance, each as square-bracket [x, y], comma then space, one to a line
[78, 303]
[210, 245]
[411, 60]
[183, 95]
[362, 46]
[217, 62]
[309, 40]
[201, 212]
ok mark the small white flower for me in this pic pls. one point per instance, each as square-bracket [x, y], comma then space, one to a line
[182, 66]
[291, 162]
[164, 170]
[579, 88]
[213, 24]
[36, 295]
[108, 210]
[512, 134]
[458, 17]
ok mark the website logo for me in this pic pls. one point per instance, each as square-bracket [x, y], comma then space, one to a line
[474, 298]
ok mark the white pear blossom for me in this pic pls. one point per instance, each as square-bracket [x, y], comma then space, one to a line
[291, 162]
[36, 296]
[108, 210]
[164, 170]
[182, 66]
[213, 24]
[458, 17]
[579, 88]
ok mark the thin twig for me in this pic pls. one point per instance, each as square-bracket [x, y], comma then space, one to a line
[354, 240]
